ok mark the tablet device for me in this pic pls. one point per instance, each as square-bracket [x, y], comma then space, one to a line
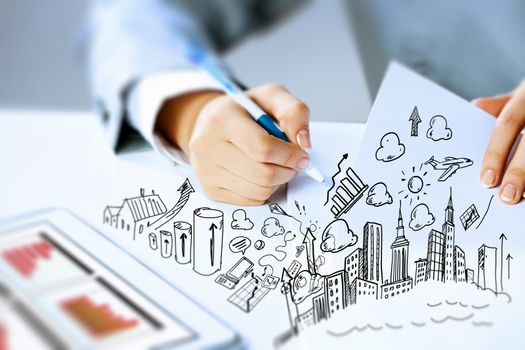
[65, 285]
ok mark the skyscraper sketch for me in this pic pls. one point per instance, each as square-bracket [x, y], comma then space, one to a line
[372, 249]
[400, 281]
[399, 248]
[488, 267]
[435, 261]
[449, 233]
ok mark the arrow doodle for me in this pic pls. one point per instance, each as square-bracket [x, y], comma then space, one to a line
[166, 242]
[185, 189]
[509, 258]
[213, 227]
[415, 119]
[501, 237]
[183, 241]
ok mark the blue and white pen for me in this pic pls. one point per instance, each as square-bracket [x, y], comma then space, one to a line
[236, 93]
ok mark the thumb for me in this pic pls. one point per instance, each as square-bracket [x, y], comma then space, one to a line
[292, 114]
[492, 105]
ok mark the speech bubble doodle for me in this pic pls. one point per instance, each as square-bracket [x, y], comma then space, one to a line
[240, 244]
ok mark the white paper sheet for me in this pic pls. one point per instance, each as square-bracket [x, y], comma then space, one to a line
[432, 314]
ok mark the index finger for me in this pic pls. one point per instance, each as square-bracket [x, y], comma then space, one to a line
[507, 128]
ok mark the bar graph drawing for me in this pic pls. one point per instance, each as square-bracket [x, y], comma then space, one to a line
[98, 319]
[40, 262]
[346, 192]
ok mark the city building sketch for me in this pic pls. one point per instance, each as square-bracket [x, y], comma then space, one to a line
[327, 257]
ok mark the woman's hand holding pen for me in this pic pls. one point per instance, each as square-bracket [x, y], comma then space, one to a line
[235, 159]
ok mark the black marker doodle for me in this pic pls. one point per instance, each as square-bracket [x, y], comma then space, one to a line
[259, 244]
[416, 183]
[270, 282]
[321, 296]
[346, 193]
[469, 217]
[486, 212]
[264, 261]
[294, 268]
[438, 129]
[277, 209]
[421, 217]
[378, 195]
[488, 268]
[240, 244]
[135, 214]
[272, 227]
[166, 244]
[450, 165]
[299, 250]
[153, 244]
[319, 261]
[241, 269]
[306, 284]
[185, 189]
[208, 230]
[414, 122]
[345, 156]
[249, 295]
[183, 242]
[301, 211]
[509, 258]
[502, 238]
[337, 236]
[308, 241]
[240, 221]
[390, 148]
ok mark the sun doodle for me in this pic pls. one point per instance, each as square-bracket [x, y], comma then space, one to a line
[415, 184]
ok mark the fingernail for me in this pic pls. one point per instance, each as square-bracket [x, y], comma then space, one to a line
[508, 193]
[488, 178]
[303, 139]
[303, 163]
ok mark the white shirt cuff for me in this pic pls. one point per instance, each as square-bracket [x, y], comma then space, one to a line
[148, 95]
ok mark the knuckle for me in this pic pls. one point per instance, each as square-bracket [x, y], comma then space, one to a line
[214, 119]
[516, 172]
[294, 110]
[263, 148]
[494, 156]
[509, 120]
[267, 174]
[272, 87]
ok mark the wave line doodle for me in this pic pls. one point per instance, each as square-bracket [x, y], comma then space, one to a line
[452, 318]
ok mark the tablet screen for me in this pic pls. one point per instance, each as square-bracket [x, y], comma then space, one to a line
[65, 295]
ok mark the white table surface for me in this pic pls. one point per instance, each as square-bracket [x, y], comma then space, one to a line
[61, 159]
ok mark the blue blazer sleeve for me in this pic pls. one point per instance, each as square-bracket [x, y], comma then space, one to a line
[128, 39]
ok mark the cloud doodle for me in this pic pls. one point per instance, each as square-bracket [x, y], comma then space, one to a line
[378, 195]
[272, 227]
[390, 148]
[337, 236]
[438, 129]
[420, 217]
[240, 221]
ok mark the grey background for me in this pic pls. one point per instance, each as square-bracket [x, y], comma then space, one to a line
[311, 53]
